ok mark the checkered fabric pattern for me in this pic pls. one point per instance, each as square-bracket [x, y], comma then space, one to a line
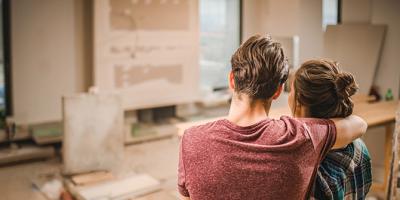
[344, 173]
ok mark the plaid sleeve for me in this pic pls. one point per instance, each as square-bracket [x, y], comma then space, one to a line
[345, 173]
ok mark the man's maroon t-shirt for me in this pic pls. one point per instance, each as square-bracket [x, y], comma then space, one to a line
[272, 159]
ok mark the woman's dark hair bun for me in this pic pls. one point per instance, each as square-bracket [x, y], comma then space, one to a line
[324, 89]
[345, 85]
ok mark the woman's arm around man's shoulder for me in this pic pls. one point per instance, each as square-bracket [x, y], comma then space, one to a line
[348, 129]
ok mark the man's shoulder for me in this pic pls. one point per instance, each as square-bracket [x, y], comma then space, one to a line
[291, 122]
[197, 137]
[306, 122]
[304, 125]
[202, 128]
[319, 121]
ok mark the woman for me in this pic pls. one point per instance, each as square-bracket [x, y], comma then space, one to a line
[321, 90]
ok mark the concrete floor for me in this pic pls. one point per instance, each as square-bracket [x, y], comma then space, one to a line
[157, 158]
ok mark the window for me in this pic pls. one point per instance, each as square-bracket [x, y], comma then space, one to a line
[219, 38]
[5, 62]
[330, 12]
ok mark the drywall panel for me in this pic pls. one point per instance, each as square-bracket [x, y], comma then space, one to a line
[93, 133]
[46, 57]
[356, 11]
[147, 50]
[357, 47]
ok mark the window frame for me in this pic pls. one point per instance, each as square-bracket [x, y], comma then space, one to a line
[6, 18]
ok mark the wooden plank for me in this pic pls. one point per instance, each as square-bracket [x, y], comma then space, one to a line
[388, 155]
[47, 140]
[25, 153]
[49, 185]
[163, 194]
[149, 133]
[91, 178]
[47, 133]
[124, 188]
[394, 164]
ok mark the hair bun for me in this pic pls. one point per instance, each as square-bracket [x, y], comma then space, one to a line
[345, 85]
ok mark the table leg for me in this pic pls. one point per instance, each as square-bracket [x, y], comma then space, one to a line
[382, 187]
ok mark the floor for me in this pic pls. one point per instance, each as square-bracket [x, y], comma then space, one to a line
[157, 158]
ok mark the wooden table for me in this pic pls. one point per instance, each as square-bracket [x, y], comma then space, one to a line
[375, 114]
[380, 114]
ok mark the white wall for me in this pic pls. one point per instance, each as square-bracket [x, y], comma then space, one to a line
[286, 18]
[45, 62]
[388, 75]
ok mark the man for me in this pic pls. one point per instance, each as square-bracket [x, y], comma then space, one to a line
[248, 155]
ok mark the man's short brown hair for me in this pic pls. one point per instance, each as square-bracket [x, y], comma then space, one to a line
[259, 66]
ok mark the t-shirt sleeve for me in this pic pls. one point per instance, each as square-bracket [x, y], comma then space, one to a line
[323, 135]
[181, 172]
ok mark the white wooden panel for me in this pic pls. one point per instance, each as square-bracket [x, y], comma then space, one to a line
[93, 133]
[125, 188]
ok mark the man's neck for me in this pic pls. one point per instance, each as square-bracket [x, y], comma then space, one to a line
[244, 112]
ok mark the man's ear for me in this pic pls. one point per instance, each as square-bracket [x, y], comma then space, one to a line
[278, 92]
[231, 81]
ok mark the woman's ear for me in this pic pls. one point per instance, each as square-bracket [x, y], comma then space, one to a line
[278, 92]
[231, 81]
